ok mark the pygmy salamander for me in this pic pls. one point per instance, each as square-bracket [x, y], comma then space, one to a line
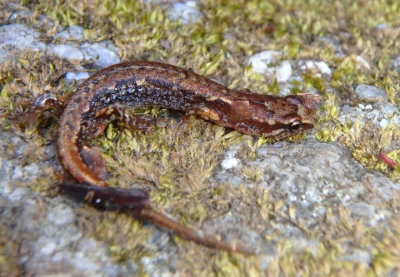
[107, 94]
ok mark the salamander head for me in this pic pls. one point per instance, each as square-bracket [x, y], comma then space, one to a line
[268, 116]
[297, 116]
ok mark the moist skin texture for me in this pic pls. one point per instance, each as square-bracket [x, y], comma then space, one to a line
[106, 95]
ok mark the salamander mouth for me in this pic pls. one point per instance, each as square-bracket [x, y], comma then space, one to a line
[284, 133]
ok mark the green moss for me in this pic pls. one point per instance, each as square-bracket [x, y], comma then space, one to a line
[123, 234]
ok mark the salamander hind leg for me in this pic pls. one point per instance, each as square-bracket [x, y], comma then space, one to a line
[93, 159]
[108, 198]
[140, 122]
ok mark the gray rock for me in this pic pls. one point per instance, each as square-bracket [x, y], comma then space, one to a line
[186, 12]
[381, 26]
[261, 61]
[76, 76]
[370, 93]
[334, 44]
[284, 72]
[71, 33]
[49, 240]
[103, 53]
[66, 51]
[396, 63]
[17, 37]
[61, 215]
[313, 176]
[381, 113]
[318, 67]
[363, 63]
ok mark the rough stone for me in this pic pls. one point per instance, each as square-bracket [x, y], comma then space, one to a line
[187, 12]
[17, 37]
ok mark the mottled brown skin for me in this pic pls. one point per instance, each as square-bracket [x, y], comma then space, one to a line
[105, 95]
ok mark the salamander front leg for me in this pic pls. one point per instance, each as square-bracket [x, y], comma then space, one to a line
[93, 159]
[46, 102]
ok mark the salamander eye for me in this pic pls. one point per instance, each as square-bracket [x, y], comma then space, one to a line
[292, 99]
[294, 125]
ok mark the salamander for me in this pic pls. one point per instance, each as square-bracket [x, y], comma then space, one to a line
[107, 95]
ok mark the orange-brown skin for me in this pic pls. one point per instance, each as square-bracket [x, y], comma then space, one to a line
[106, 94]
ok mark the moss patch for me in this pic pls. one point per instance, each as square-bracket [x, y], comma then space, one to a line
[8, 254]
